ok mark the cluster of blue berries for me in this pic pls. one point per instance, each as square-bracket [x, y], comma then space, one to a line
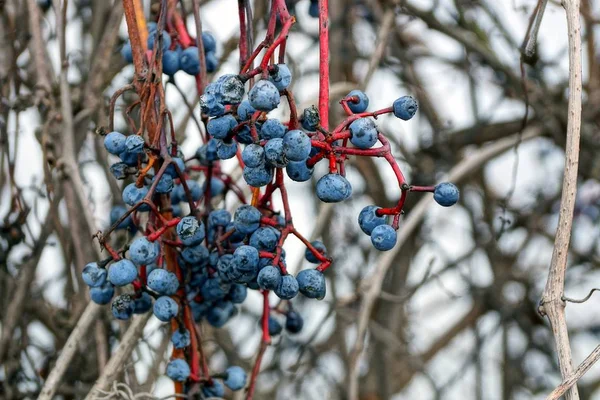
[174, 57]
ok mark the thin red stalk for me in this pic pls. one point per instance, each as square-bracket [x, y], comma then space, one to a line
[324, 63]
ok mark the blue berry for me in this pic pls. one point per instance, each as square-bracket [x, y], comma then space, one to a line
[116, 213]
[189, 61]
[217, 186]
[142, 304]
[229, 89]
[298, 171]
[212, 62]
[166, 40]
[219, 218]
[446, 194]
[123, 306]
[288, 288]
[119, 170]
[93, 276]
[265, 238]
[210, 104]
[114, 143]
[122, 273]
[333, 188]
[127, 53]
[244, 135]
[405, 107]
[264, 96]
[102, 294]
[258, 176]
[216, 390]
[209, 42]
[181, 338]
[220, 127]
[171, 170]
[293, 322]
[361, 105]
[271, 129]
[213, 290]
[165, 184]
[369, 220]
[236, 236]
[236, 378]
[190, 231]
[383, 237]
[178, 370]
[246, 219]
[133, 194]
[218, 315]
[143, 252]
[134, 144]
[363, 133]
[310, 257]
[310, 118]
[194, 188]
[165, 308]
[170, 62]
[163, 282]
[311, 283]
[244, 263]
[195, 255]
[275, 327]
[130, 159]
[269, 277]
[245, 110]
[296, 145]
[274, 153]
[225, 150]
[253, 155]
[281, 77]
[238, 293]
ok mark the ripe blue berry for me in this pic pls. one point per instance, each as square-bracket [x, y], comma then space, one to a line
[383, 237]
[165, 308]
[258, 176]
[216, 390]
[134, 144]
[114, 143]
[123, 306]
[310, 257]
[165, 184]
[368, 219]
[212, 62]
[363, 133]
[245, 110]
[361, 105]
[298, 171]
[172, 171]
[313, 9]
[142, 304]
[296, 145]
[195, 255]
[265, 238]
[166, 40]
[181, 338]
[190, 231]
[405, 107]
[236, 378]
[220, 127]
[275, 327]
[131, 159]
[311, 283]
[238, 293]
[122, 273]
[288, 288]
[189, 60]
[333, 188]
[274, 153]
[225, 150]
[271, 129]
[281, 77]
[220, 313]
[269, 278]
[170, 62]
[127, 53]
[210, 104]
[216, 186]
[93, 276]
[178, 370]
[446, 194]
[212, 289]
[143, 252]
[133, 194]
[102, 294]
[253, 155]
[264, 96]
[209, 42]
[219, 218]
[163, 282]
[293, 322]
[246, 219]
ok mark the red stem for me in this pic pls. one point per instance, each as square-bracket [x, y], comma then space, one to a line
[324, 63]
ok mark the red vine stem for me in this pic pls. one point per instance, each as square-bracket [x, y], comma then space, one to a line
[324, 63]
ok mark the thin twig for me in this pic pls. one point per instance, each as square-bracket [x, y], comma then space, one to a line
[579, 372]
[586, 298]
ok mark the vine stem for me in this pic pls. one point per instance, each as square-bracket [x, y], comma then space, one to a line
[552, 303]
[324, 63]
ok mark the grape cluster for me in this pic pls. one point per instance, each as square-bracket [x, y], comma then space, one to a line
[189, 260]
[176, 55]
